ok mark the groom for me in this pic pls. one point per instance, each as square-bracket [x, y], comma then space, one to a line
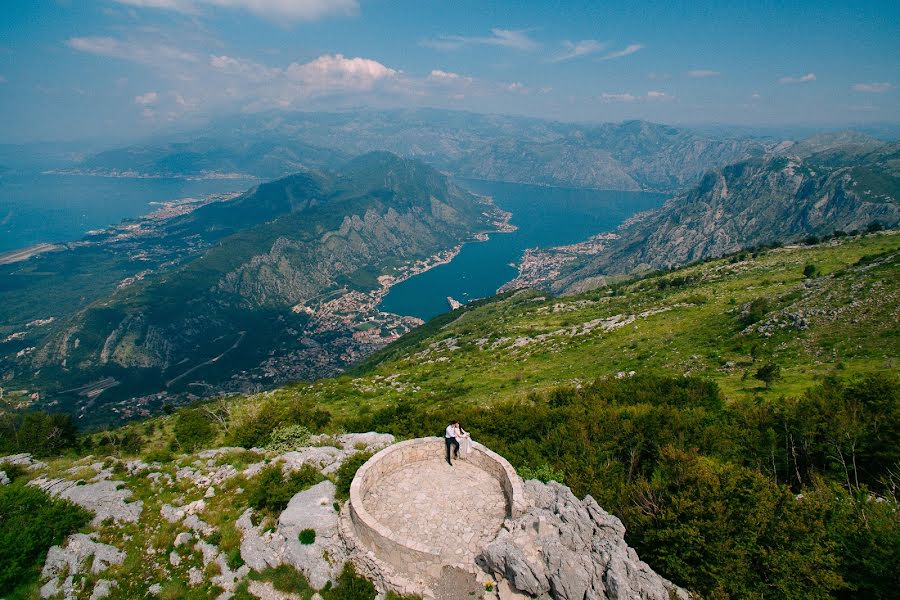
[450, 440]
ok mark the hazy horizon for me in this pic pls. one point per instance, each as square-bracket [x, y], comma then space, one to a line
[125, 69]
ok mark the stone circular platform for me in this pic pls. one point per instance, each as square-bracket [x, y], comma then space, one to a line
[420, 515]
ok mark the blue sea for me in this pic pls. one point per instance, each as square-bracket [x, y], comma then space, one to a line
[545, 216]
[36, 208]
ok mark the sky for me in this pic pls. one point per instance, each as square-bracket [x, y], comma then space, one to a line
[85, 69]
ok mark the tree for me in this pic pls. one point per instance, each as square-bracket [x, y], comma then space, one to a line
[810, 271]
[768, 373]
[192, 429]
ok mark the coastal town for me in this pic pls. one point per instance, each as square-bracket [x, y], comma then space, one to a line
[540, 265]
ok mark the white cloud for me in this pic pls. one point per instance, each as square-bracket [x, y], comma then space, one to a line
[438, 75]
[276, 10]
[506, 38]
[575, 49]
[605, 97]
[755, 96]
[333, 73]
[151, 54]
[658, 76]
[702, 73]
[2, 79]
[517, 86]
[801, 79]
[873, 88]
[626, 51]
[242, 68]
[146, 99]
[658, 95]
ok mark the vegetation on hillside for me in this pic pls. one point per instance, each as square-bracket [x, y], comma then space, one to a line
[741, 416]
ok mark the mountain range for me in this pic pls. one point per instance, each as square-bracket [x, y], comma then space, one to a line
[812, 188]
[279, 282]
[633, 155]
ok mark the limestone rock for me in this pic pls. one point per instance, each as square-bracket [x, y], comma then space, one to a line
[320, 561]
[102, 589]
[4, 479]
[72, 559]
[570, 549]
[106, 499]
[183, 538]
[23, 460]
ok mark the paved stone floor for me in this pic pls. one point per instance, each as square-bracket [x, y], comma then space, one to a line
[457, 509]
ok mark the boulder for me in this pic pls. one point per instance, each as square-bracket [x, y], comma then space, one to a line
[570, 549]
[321, 561]
[81, 554]
[106, 499]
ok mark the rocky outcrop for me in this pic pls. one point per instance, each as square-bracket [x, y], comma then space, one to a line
[570, 549]
[106, 499]
[81, 554]
[758, 201]
[320, 561]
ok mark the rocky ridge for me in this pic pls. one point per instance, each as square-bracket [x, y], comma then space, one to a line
[561, 548]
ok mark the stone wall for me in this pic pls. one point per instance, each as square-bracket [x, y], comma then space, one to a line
[410, 556]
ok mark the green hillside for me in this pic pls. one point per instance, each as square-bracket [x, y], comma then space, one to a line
[741, 416]
[685, 322]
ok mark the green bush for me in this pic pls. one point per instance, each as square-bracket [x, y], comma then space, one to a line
[543, 472]
[192, 429]
[347, 471]
[307, 537]
[286, 578]
[287, 438]
[350, 586]
[31, 522]
[754, 312]
[271, 490]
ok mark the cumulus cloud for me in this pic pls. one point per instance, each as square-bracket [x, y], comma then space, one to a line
[146, 99]
[517, 86]
[702, 73]
[626, 51]
[331, 73]
[275, 10]
[658, 95]
[575, 49]
[801, 79]
[873, 88]
[506, 38]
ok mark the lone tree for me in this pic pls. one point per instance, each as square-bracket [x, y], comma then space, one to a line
[768, 373]
[810, 271]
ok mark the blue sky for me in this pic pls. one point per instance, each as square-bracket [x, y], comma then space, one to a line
[121, 68]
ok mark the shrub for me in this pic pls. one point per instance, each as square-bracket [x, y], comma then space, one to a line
[287, 438]
[753, 312]
[307, 536]
[31, 522]
[350, 586]
[285, 578]
[192, 429]
[233, 559]
[810, 271]
[543, 472]
[271, 491]
[347, 471]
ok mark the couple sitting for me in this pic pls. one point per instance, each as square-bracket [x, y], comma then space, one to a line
[456, 437]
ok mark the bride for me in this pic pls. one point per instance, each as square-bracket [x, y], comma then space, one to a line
[465, 441]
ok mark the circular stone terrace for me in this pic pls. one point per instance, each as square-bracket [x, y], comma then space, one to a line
[420, 515]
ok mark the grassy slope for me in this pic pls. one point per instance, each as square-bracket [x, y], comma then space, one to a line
[852, 312]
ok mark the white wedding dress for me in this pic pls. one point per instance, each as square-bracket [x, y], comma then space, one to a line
[465, 442]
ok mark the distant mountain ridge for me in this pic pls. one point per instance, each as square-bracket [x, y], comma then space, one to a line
[633, 155]
[778, 198]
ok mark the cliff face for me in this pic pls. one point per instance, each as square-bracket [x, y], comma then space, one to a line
[757, 201]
